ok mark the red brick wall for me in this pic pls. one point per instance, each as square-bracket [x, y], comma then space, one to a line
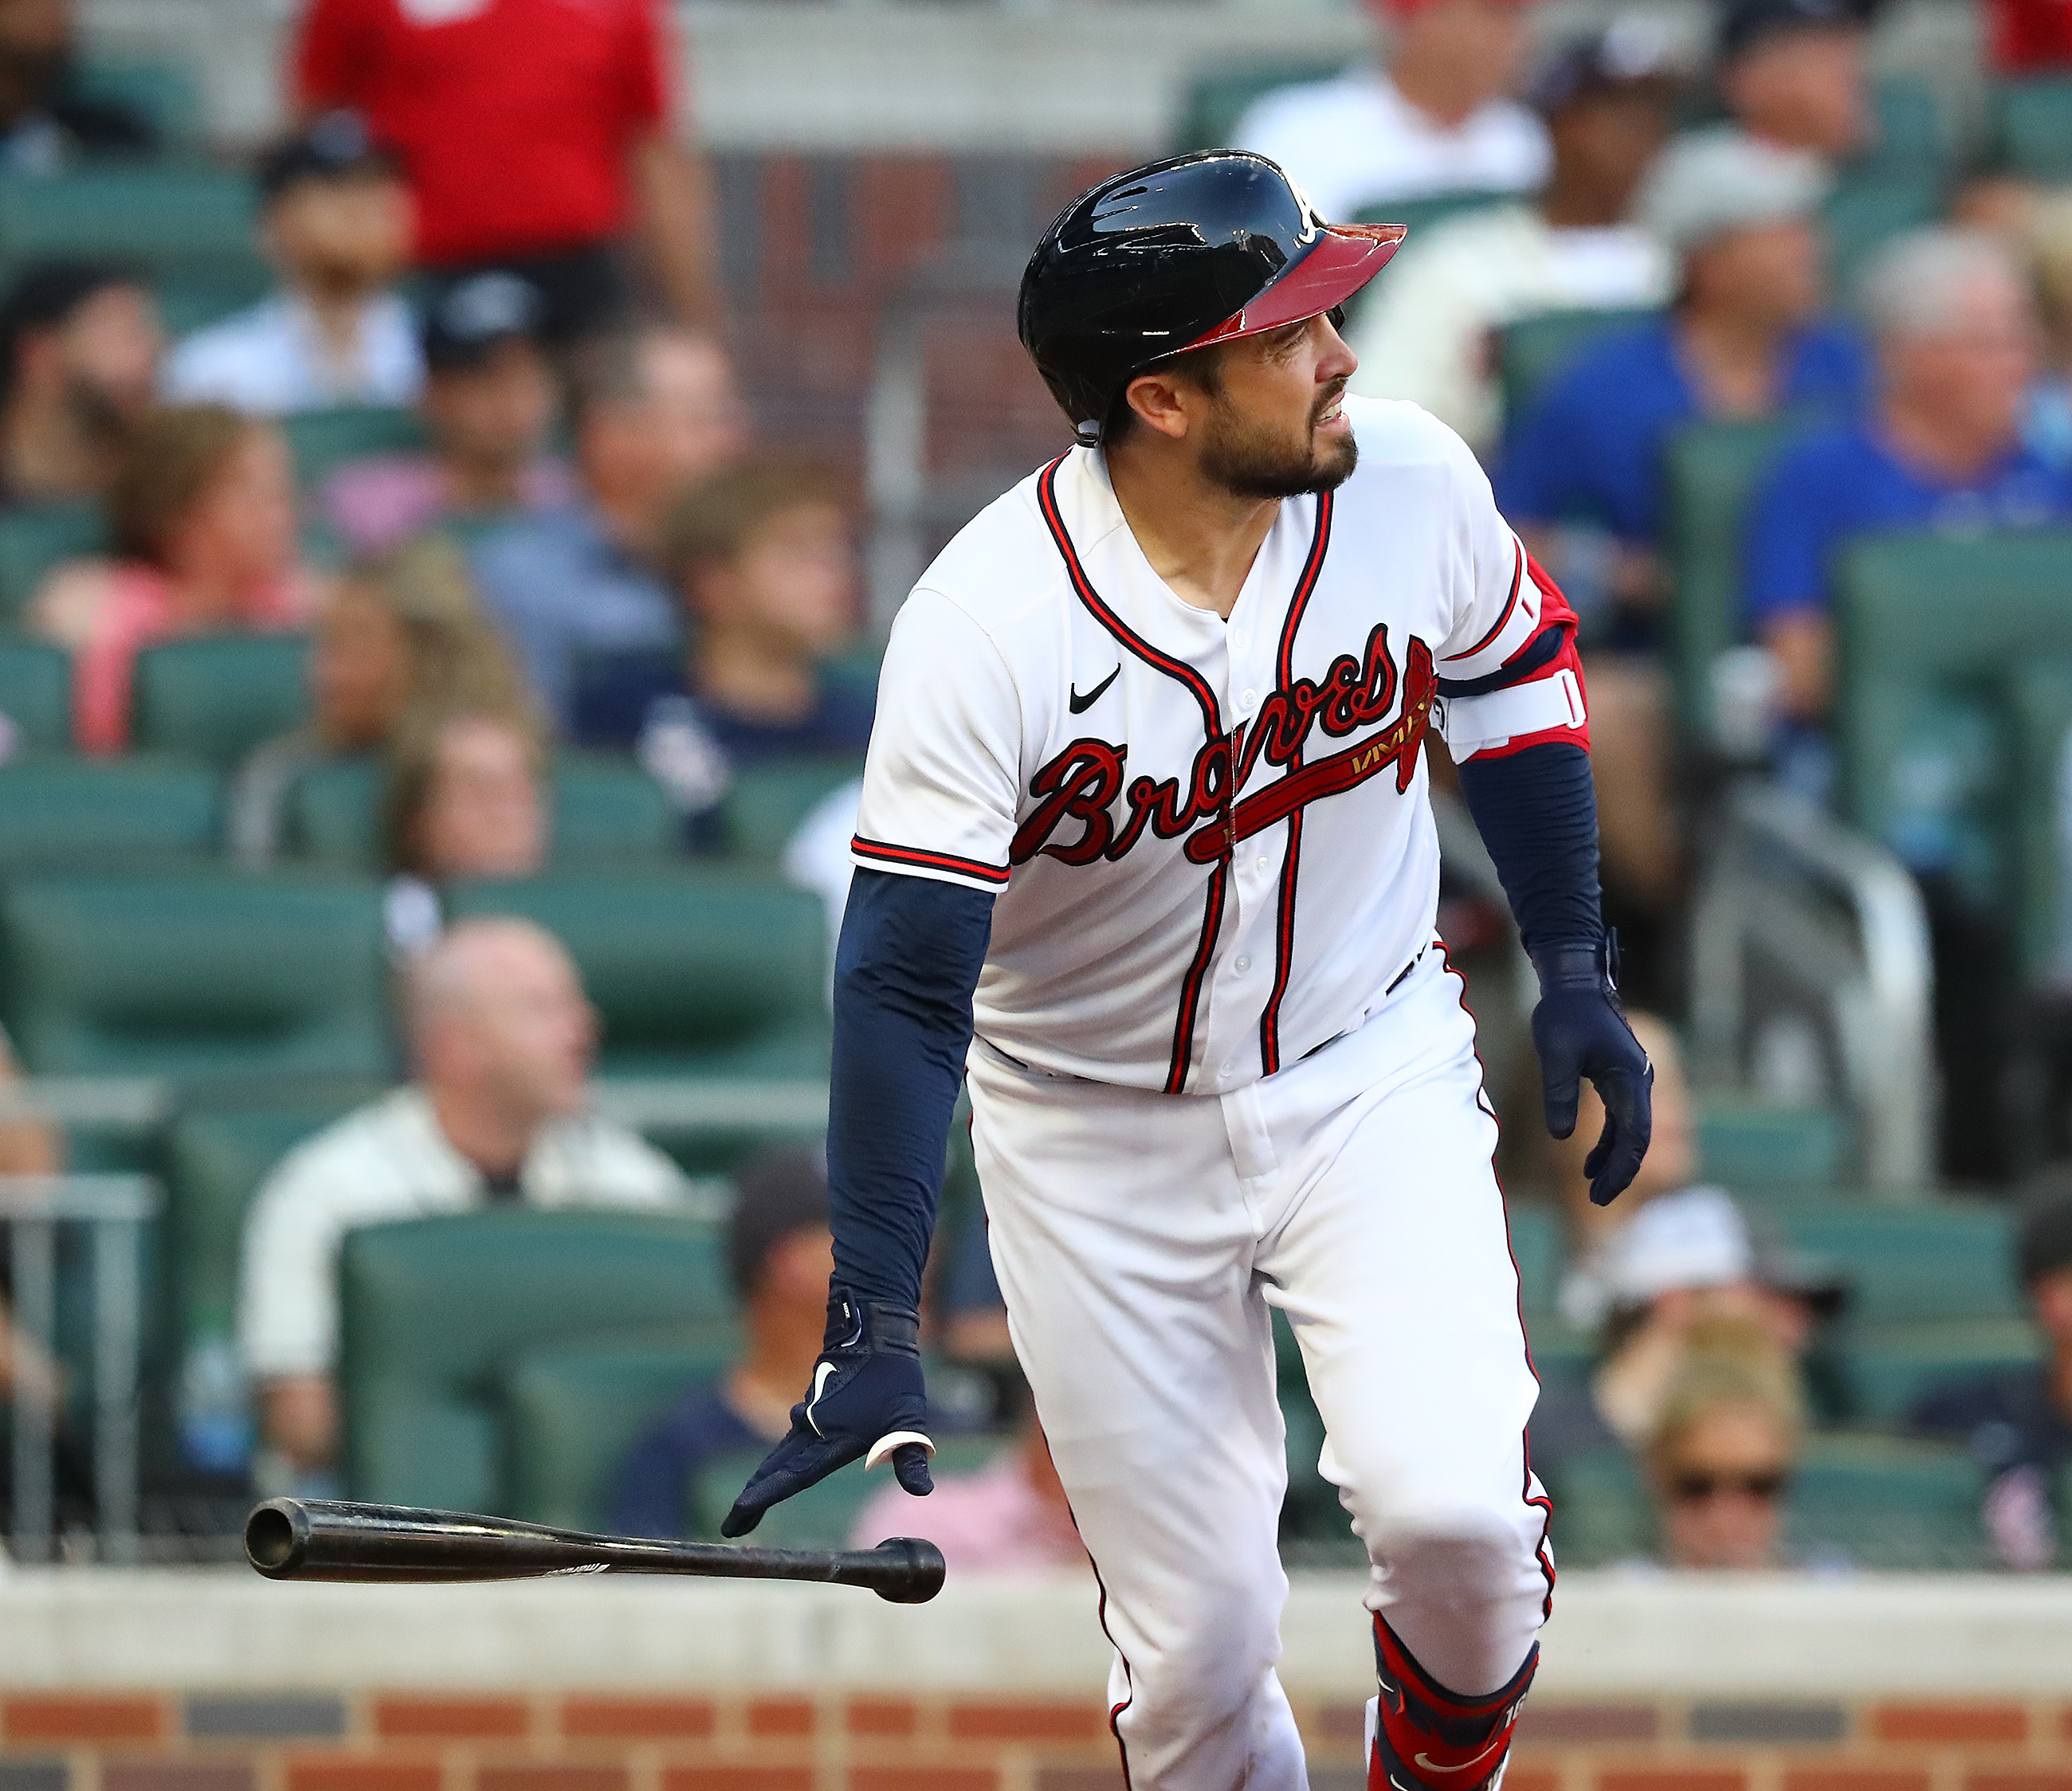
[165, 1741]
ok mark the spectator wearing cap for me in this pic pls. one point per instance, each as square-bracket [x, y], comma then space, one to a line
[762, 558]
[47, 125]
[779, 1253]
[488, 405]
[1437, 119]
[80, 344]
[334, 220]
[2018, 1421]
[538, 138]
[1581, 473]
[1427, 335]
[654, 412]
[1794, 74]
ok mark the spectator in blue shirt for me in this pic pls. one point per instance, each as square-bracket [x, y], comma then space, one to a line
[655, 411]
[761, 555]
[779, 1254]
[1943, 449]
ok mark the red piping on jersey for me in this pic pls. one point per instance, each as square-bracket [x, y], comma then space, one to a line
[1284, 931]
[1510, 603]
[1191, 987]
[995, 874]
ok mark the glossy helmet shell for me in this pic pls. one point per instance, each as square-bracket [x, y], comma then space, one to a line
[1176, 255]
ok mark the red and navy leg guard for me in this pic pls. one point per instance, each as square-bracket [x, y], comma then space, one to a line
[1428, 1738]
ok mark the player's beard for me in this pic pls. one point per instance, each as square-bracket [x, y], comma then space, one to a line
[1260, 463]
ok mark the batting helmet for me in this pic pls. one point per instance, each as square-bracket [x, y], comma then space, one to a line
[1176, 254]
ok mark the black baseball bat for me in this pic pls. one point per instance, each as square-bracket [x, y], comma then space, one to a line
[334, 1540]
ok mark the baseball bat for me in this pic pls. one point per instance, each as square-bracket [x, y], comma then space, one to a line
[334, 1539]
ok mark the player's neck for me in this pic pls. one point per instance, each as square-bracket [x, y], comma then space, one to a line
[1199, 538]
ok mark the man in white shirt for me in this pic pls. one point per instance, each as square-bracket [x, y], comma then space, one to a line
[502, 1036]
[1428, 334]
[335, 222]
[1437, 120]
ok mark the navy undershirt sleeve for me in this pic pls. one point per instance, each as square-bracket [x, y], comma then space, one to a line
[908, 960]
[1537, 812]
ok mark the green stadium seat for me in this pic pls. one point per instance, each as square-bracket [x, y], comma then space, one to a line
[334, 814]
[195, 976]
[1217, 100]
[1911, 139]
[1533, 350]
[767, 803]
[35, 695]
[62, 813]
[185, 219]
[1891, 1366]
[323, 441]
[1536, 1245]
[574, 1410]
[2040, 706]
[433, 1310]
[696, 972]
[1941, 1260]
[2034, 124]
[1864, 213]
[1710, 473]
[164, 92]
[1746, 1144]
[216, 697]
[36, 537]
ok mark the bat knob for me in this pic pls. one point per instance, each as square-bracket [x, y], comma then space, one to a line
[918, 1571]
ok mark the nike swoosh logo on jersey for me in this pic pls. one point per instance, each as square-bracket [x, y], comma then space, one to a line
[1078, 704]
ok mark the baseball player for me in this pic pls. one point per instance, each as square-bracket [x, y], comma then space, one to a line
[1146, 855]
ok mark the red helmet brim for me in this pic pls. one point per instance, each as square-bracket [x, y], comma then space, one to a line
[1347, 256]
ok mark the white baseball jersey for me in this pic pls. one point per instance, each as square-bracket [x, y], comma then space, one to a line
[1211, 839]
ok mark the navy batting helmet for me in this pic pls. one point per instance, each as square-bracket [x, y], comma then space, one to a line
[1181, 254]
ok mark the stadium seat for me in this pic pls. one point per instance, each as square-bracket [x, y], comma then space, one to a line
[1911, 137]
[163, 92]
[1915, 1263]
[694, 971]
[1891, 1366]
[334, 814]
[1210, 113]
[574, 1409]
[323, 441]
[2034, 121]
[37, 536]
[1710, 473]
[195, 976]
[433, 1309]
[175, 219]
[35, 695]
[2040, 707]
[1865, 212]
[1533, 350]
[66, 813]
[767, 803]
[1748, 1144]
[216, 697]
[1536, 1246]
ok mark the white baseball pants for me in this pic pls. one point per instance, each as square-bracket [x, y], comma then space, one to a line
[1140, 1239]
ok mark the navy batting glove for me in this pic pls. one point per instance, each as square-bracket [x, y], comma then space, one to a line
[1580, 1029]
[866, 1400]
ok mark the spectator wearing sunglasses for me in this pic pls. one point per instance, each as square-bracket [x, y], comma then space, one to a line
[1721, 1461]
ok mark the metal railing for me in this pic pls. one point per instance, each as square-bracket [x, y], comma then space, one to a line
[115, 1209]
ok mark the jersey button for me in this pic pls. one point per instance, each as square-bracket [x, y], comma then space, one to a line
[1248, 701]
[1244, 964]
[1259, 865]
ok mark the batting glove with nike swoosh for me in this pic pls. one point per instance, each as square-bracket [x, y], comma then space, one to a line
[866, 1400]
[1580, 1029]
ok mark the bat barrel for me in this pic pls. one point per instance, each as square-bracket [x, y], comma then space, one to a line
[331, 1539]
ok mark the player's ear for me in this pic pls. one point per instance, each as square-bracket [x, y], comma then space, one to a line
[1162, 401]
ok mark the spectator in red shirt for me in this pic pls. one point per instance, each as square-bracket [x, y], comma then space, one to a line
[538, 137]
[2028, 37]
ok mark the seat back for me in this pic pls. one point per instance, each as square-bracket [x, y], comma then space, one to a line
[693, 971]
[1533, 350]
[66, 812]
[1866, 211]
[2034, 122]
[35, 695]
[1710, 473]
[435, 1310]
[164, 92]
[195, 976]
[765, 803]
[1947, 1259]
[216, 697]
[323, 441]
[34, 537]
[2041, 711]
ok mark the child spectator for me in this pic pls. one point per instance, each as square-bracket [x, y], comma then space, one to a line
[79, 364]
[501, 1037]
[465, 800]
[1720, 1459]
[1794, 74]
[334, 218]
[203, 513]
[1437, 120]
[656, 411]
[2018, 1421]
[779, 1254]
[488, 406]
[46, 125]
[763, 556]
[401, 640]
[1426, 334]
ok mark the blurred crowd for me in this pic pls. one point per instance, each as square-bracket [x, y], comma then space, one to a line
[487, 227]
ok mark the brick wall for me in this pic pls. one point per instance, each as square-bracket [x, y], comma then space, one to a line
[163, 1741]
